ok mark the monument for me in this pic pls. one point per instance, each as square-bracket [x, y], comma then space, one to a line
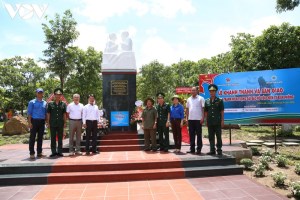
[119, 81]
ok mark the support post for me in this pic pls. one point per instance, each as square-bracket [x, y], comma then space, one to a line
[275, 138]
[230, 134]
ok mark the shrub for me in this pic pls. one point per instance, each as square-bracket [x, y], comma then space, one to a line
[267, 153]
[255, 151]
[259, 170]
[295, 186]
[265, 160]
[248, 163]
[25, 141]
[281, 160]
[297, 168]
[278, 178]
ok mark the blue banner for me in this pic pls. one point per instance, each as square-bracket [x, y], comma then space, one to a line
[119, 118]
[257, 97]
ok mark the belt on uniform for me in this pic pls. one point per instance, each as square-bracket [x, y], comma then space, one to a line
[38, 119]
[75, 119]
[91, 120]
[175, 119]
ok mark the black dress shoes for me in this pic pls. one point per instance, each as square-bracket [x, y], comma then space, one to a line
[60, 155]
[52, 155]
[211, 153]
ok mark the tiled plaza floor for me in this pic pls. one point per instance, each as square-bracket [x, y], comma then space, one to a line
[221, 187]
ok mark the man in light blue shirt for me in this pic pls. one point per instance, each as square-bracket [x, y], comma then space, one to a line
[37, 113]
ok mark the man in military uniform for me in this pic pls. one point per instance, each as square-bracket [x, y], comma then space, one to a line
[163, 122]
[214, 114]
[56, 120]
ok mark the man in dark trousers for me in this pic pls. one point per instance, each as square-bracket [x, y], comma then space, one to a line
[214, 114]
[163, 122]
[37, 112]
[56, 120]
[90, 120]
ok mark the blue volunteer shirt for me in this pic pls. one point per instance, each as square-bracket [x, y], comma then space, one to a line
[177, 112]
[37, 109]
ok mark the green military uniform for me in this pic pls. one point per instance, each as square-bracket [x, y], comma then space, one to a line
[214, 109]
[149, 117]
[56, 122]
[163, 131]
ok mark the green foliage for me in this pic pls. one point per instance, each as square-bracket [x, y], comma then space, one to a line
[268, 153]
[281, 160]
[19, 77]
[285, 5]
[248, 163]
[243, 52]
[255, 151]
[60, 33]
[297, 168]
[279, 178]
[25, 141]
[295, 186]
[265, 160]
[278, 47]
[85, 77]
[259, 170]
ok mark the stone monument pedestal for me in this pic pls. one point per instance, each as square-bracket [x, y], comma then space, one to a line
[119, 96]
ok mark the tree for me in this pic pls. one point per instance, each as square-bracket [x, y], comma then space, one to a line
[278, 47]
[153, 78]
[85, 78]
[60, 35]
[243, 52]
[19, 79]
[285, 5]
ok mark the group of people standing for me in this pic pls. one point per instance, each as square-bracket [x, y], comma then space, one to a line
[154, 118]
[54, 116]
[159, 118]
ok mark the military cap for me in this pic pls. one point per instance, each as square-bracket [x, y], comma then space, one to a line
[212, 87]
[58, 91]
[160, 95]
[149, 98]
[176, 96]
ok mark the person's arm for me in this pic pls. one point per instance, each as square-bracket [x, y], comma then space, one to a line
[155, 119]
[29, 112]
[84, 117]
[48, 116]
[65, 116]
[181, 116]
[202, 109]
[222, 113]
[143, 116]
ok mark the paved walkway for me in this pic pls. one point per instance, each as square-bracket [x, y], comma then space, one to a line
[222, 187]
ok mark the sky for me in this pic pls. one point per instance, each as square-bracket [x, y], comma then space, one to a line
[163, 30]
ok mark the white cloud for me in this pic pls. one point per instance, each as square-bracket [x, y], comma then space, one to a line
[91, 35]
[101, 10]
[151, 31]
[220, 38]
[170, 8]
[157, 48]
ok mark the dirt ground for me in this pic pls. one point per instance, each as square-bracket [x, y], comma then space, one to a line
[268, 181]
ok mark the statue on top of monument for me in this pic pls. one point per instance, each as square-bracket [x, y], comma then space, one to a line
[111, 45]
[118, 57]
[126, 44]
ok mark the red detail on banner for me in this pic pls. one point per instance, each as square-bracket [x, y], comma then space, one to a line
[205, 78]
[183, 90]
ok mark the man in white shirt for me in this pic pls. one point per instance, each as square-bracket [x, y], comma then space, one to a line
[74, 111]
[195, 117]
[91, 119]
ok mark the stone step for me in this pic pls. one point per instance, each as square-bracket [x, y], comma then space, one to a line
[117, 165]
[290, 144]
[115, 142]
[125, 175]
[252, 144]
